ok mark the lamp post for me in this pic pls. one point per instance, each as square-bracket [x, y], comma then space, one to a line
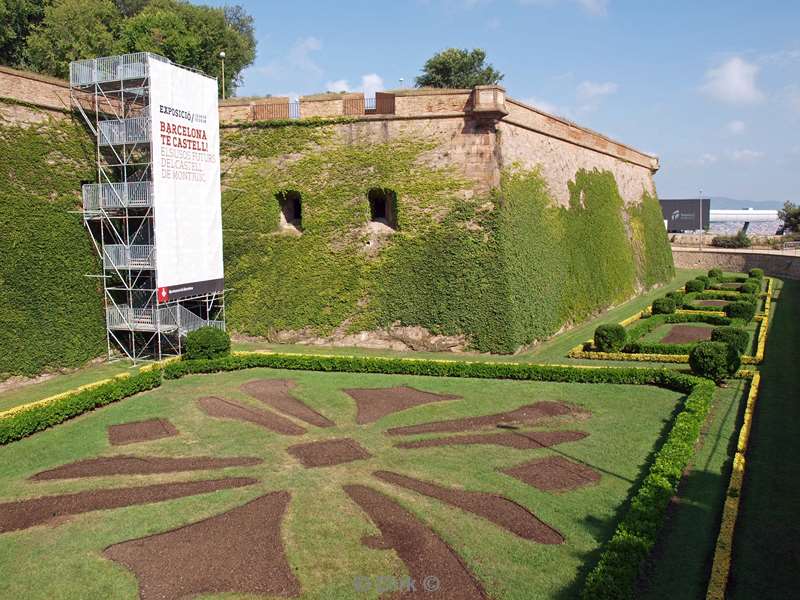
[222, 58]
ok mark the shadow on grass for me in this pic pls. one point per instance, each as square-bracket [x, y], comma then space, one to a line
[602, 530]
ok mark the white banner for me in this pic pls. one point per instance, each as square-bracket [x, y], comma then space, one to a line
[186, 182]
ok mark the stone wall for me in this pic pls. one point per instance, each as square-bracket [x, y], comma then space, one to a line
[773, 264]
[532, 139]
[524, 134]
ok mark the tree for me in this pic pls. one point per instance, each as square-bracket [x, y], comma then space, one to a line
[456, 68]
[17, 17]
[193, 36]
[71, 30]
[67, 30]
[790, 215]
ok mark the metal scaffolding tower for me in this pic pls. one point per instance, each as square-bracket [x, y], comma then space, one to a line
[113, 96]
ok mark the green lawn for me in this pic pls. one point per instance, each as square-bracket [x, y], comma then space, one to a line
[323, 529]
[61, 383]
[766, 557]
[681, 563]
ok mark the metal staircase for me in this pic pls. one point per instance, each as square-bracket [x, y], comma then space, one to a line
[113, 96]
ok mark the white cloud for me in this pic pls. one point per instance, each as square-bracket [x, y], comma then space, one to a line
[340, 85]
[299, 58]
[590, 94]
[595, 7]
[370, 83]
[590, 90]
[734, 82]
[781, 57]
[546, 106]
[792, 93]
[592, 7]
[735, 127]
[704, 160]
[744, 155]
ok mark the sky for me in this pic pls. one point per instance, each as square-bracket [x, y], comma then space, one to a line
[712, 87]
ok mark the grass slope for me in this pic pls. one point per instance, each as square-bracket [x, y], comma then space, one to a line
[766, 560]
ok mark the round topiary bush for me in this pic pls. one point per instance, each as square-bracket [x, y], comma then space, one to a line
[715, 273]
[738, 338]
[705, 279]
[695, 285]
[715, 360]
[756, 273]
[741, 310]
[677, 297]
[748, 288]
[610, 338]
[663, 306]
[207, 342]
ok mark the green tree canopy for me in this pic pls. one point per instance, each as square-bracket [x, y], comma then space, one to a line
[17, 17]
[790, 215]
[193, 35]
[45, 35]
[456, 68]
[71, 30]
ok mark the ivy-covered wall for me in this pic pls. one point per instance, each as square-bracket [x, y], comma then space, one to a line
[500, 269]
[50, 312]
[503, 269]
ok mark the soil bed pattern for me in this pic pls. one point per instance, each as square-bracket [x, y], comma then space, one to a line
[140, 431]
[500, 511]
[227, 409]
[528, 415]
[375, 403]
[239, 551]
[554, 474]
[682, 334]
[712, 302]
[276, 394]
[36, 511]
[521, 440]
[328, 452]
[426, 556]
[140, 465]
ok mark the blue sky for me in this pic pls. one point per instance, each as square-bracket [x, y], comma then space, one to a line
[711, 87]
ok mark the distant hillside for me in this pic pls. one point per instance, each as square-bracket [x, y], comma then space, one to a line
[721, 202]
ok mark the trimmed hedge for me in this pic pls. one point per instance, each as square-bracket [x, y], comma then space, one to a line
[619, 565]
[738, 338]
[610, 337]
[715, 273]
[741, 310]
[749, 288]
[663, 306]
[207, 342]
[756, 273]
[37, 418]
[714, 360]
[677, 297]
[705, 279]
[695, 285]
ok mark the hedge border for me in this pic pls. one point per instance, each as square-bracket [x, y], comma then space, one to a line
[621, 558]
[721, 566]
[579, 351]
[747, 359]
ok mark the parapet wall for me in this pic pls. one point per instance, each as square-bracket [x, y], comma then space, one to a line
[778, 265]
[463, 122]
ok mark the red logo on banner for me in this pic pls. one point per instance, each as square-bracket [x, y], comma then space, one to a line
[163, 295]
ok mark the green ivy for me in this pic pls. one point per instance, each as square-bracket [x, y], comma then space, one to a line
[504, 269]
[654, 257]
[51, 313]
